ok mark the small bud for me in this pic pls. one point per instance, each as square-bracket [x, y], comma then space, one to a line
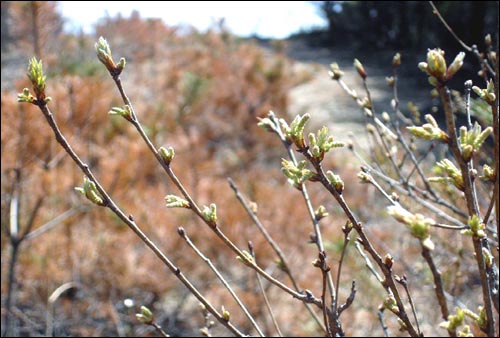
[25, 96]
[247, 258]
[360, 69]
[423, 66]
[225, 314]
[476, 227]
[167, 155]
[388, 261]
[396, 60]
[386, 117]
[433, 81]
[455, 65]
[146, 316]
[436, 64]
[335, 72]
[487, 40]
[37, 78]
[320, 213]
[488, 173]
[347, 227]
[390, 304]
[254, 207]
[390, 81]
[488, 258]
[336, 181]
[266, 124]
[395, 197]
[181, 231]
[364, 177]
[176, 202]
[90, 191]
[121, 64]
[125, 112]
[296, 132]
[103, 52]
[210, 214]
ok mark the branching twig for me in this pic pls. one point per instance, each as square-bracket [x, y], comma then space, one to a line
[283, 261]
[129, 220]
[184, 235]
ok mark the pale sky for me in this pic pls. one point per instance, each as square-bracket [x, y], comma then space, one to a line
[274, 19]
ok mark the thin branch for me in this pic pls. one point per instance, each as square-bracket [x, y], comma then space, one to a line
[263, 292]
[182, 232]
[349, 299]
[380, 315]
[403, 281]
[445, 24]
[473, 49]
[368, 262]
[346, 230]
[438, 286]
[53, 222]
[283, 261]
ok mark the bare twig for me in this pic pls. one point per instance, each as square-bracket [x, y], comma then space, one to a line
[380, 315]
[283, 261]
[263, 291]
[404, 282]
[438, 286]
[182, 232]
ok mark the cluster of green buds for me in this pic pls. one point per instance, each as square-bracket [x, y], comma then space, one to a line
[320, 213]
[476, 227]
[458, 319]
[210, 214]
[247, 258]
[146, 316]
[390, 304]
[436, 66]
[37, 79]
[453, 174]
[176, 202]
[295, 132]
[297, 174]
[166, 154]
[429, 131]
[322, 143]
[90, 191]
[471, 140]
[487, 94]
[335, 181]
[418, 224]
[125, 112]
[267, 124]
[488, 173]
[104, 55]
